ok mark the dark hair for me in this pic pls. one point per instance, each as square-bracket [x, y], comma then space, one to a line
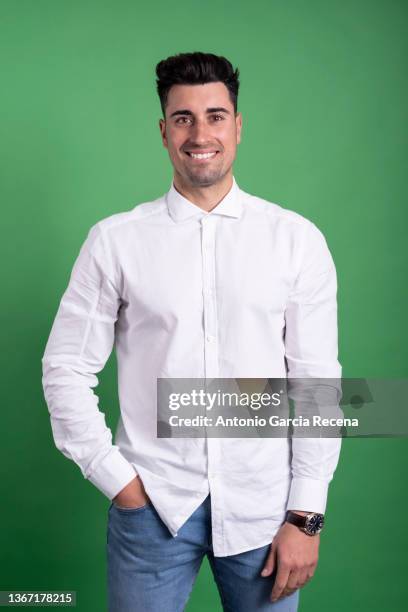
[195, 69]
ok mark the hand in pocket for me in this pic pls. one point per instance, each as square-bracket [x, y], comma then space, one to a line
[133, 496]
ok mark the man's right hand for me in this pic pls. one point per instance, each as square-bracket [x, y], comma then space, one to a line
[132, 496]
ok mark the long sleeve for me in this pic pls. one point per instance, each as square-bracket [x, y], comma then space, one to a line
[78, 347]
[311, 352]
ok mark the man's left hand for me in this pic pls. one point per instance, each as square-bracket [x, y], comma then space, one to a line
[295, 554]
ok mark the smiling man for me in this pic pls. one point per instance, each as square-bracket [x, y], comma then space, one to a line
[201, 132]
[206, 281]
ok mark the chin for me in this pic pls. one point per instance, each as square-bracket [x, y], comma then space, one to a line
[204, 179]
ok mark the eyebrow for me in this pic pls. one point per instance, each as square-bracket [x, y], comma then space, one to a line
[214, 109]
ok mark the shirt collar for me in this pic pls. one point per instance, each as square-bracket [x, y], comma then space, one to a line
[180, 208]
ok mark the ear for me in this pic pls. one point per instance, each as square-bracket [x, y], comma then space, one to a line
[238, 124]
[162, 126]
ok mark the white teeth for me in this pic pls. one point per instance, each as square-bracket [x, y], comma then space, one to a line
[202, 155]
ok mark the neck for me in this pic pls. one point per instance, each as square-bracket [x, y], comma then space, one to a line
[206, 198]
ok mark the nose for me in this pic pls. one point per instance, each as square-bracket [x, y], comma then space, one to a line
[198, 132]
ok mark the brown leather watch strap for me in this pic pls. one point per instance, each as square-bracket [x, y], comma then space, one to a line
[295, 519]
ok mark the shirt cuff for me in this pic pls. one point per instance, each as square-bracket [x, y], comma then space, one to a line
[308, 495]
[112, 474]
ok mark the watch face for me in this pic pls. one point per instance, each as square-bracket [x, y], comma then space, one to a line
[314, 523]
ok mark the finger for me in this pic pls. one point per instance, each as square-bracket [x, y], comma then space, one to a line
[303, 578]
[309, 575]
[293, 580]
[292, 583]
[270, 562]
[280, 581]
[287, 592]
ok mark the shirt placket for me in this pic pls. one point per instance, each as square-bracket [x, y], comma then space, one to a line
[211, 345]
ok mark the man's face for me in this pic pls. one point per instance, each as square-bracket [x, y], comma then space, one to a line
[200, 120]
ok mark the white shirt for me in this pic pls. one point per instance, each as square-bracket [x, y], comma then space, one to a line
[247, 290]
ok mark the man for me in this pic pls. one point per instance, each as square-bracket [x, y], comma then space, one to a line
[206, 281]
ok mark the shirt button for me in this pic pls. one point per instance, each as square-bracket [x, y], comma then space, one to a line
[210, 338]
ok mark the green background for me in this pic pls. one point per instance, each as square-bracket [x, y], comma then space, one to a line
[324, 103]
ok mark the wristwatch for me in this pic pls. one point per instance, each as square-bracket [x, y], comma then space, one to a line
[311, 524]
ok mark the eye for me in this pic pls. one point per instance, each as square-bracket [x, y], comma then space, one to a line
[182, 120]
[218, 117]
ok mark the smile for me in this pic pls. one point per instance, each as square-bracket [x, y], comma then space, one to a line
[202, 155]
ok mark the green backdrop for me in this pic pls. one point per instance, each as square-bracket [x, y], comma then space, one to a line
[324, 103]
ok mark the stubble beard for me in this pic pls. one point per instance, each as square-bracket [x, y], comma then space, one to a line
[205, 177]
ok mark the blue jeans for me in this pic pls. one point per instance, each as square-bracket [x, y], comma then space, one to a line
[149, 570]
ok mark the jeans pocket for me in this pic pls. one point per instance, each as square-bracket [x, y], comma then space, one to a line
[130, 510]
